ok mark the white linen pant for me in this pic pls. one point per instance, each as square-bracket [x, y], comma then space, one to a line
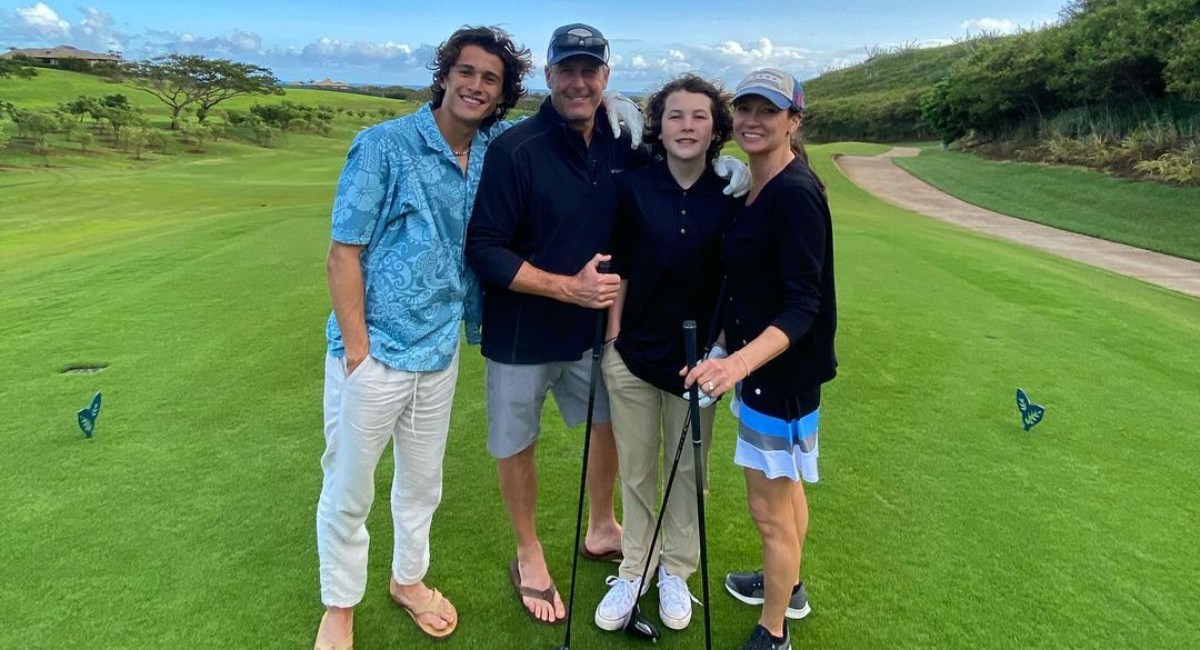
[364, 411]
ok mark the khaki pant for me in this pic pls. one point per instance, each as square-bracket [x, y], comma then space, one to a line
[647, 421]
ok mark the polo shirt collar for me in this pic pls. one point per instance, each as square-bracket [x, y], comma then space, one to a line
[601, 126]
[708, 183]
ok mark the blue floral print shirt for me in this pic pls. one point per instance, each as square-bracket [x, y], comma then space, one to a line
[404, 197]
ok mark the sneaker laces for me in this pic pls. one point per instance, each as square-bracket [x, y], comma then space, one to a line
[672, 589]
[622, 595]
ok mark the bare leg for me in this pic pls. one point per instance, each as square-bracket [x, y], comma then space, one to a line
[339, 624]
[603, 531]
[800, 510]
[772, 507]
[518, 486]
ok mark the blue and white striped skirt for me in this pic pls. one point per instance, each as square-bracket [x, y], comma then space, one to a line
[776, 447]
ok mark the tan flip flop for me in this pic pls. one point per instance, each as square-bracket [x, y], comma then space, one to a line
[325, 644]
[433, 606]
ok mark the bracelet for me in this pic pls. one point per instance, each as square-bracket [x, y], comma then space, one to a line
[745, 365]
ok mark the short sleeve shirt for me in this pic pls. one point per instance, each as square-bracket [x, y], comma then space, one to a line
[404, 197]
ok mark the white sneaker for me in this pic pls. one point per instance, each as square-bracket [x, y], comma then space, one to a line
[674, 600]
[614, 609]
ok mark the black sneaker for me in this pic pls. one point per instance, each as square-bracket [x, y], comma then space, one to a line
[760, 639]
[748, 588]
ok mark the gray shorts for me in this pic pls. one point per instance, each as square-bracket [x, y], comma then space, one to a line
[516, 393]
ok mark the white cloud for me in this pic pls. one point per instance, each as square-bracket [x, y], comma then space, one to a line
[38, 21]
[328, 48]
[238, 43]
[992, 25]
[96, 29]
[638, 63]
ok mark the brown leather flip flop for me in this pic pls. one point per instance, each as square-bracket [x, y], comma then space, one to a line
[545, 595]
[432, 606]
[614, 555]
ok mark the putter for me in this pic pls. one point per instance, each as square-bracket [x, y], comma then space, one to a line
[689, 341]
[597, 350]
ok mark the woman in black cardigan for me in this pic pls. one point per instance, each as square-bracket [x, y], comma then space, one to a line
[780, 314]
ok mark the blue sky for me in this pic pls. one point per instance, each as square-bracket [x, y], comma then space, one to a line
[390, 42]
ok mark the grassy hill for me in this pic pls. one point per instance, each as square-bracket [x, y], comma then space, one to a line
[53, 87]
[878, 100]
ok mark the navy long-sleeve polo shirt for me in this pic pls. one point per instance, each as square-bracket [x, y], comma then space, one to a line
[547, 198]
[778, 258]
[667, 247]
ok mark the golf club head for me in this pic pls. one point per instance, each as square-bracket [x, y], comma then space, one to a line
[640, 627]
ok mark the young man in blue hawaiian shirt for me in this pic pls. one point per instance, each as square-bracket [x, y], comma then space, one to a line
[400, 289]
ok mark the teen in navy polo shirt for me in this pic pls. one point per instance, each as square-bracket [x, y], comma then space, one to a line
[669, 222]
[780, 314]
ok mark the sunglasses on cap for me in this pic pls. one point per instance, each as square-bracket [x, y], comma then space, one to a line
[578, 41]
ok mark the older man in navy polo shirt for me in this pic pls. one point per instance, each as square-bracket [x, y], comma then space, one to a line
[541, 222]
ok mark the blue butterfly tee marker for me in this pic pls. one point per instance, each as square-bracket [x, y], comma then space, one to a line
[1031, 413]
[87, 417]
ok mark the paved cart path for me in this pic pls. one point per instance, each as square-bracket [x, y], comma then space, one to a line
[881, 177]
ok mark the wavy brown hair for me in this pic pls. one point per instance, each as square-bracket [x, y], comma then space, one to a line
[656, 105]
[493, 40]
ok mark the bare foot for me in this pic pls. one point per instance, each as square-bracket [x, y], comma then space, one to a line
[413, 597]
[603, 538]
[535, 574]
[336, 627]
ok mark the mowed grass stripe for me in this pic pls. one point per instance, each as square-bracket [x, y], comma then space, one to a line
[938, 522]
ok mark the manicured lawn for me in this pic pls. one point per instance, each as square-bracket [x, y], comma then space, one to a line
[188, 520]
[1147, 215]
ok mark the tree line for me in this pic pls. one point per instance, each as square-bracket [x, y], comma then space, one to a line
[1115, 85]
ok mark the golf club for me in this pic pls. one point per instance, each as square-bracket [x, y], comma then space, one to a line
[689, 342]
[637, 625]
[597, 350]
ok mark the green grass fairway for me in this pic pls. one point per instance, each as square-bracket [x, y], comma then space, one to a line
[1146, 215]
[188, 521]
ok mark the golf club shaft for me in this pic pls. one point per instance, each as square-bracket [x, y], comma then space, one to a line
[597, 350]
[689, 342]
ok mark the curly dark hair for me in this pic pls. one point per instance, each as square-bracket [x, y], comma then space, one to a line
[516, 59]
[688, 82]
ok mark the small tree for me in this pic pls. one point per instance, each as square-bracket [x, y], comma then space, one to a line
[135, 139]
[197, 134]
[4, 140]
[120, 118]
[157, 140]
[85, 140]
[38, 125]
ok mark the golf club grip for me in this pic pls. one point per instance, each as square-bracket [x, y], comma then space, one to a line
[689, 343]
[601, 319]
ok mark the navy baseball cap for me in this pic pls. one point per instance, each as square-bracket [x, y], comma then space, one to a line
[782, 89]
[577, 39]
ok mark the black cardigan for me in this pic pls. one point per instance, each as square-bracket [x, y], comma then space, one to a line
[778, 260]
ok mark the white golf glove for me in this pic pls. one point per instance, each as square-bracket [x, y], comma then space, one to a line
[736, 172]
[623, 109]
[717, 352]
